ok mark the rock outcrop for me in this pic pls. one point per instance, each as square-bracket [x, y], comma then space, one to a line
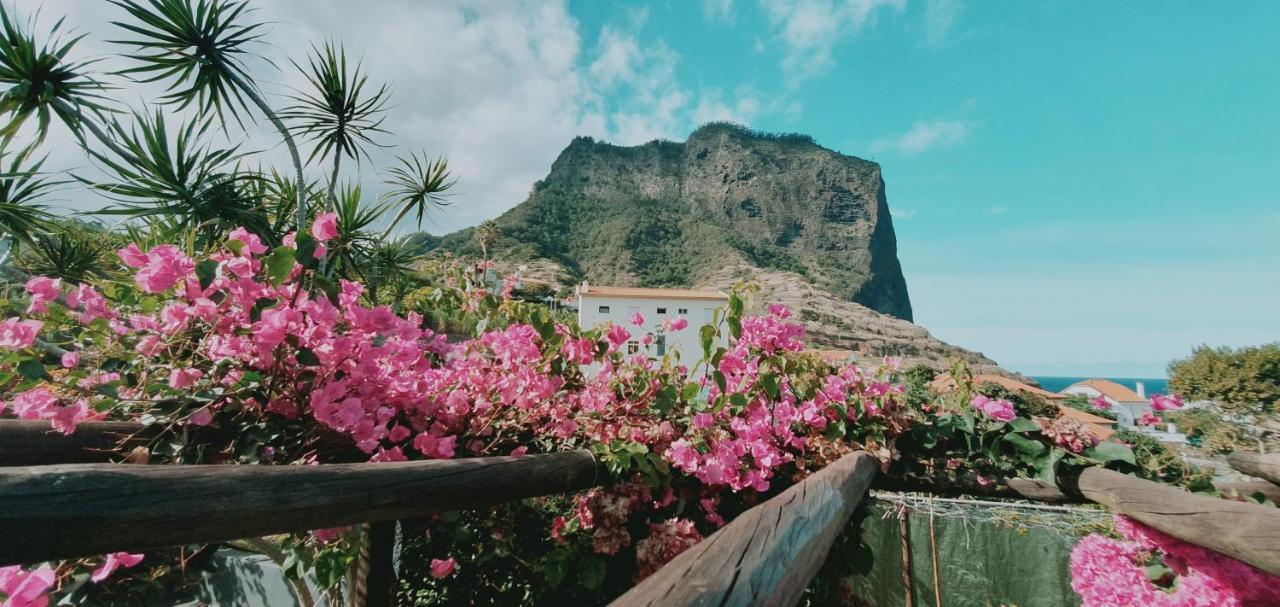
[729, 205]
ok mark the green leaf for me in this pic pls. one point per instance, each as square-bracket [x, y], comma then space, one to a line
[306, 251]
[1028, 447]
[690, 391]
[721, 382]
[735, 305]
[770, 384]
[279, 264]
[206, 271]
[1046, 465]
[31, 368]
[591, 572]
[707, 334]
[735, 327]
[1110, 451]
[1022, 424]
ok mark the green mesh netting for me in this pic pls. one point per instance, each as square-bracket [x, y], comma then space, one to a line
[988, 553]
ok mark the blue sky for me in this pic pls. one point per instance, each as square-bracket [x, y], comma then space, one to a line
[1078, 187]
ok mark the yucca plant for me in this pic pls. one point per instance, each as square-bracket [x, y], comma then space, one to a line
[356, 237]
[42, 82]
[200, 47]
[486, 234]
[176, 173]
[21, 187]
[390, 264]
[72, 252]
[416, 185]
[338, 114]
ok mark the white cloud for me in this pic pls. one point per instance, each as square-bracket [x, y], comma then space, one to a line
[926, 135]
[811, 29]
[939, 17]
[903, 214]
[500, 87]
[997, 211]
[718, 10]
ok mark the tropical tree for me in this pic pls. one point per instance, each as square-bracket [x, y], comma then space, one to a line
[486, 234]
[418, 184]
[200, 47]
[339, 115]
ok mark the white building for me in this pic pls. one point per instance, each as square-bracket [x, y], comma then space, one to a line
[1128, 406]
[618, 305]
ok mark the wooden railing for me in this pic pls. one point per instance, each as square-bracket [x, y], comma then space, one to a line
[67, 511]
[765, 556]
[768, 554]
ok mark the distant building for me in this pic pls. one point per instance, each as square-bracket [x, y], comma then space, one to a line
[1129, 406]
[599, 305]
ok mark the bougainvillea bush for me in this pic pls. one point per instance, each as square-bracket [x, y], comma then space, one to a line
[1146, 567]
[252, 355]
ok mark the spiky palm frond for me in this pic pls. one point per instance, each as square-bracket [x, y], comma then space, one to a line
[418, 183]
[197, 45]
[21, 214]
[41, 81]
[336, 114]
[72, 252]
[390, 263]
[176, 174]
[487, 233]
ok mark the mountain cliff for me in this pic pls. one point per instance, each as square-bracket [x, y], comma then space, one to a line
[809, 225]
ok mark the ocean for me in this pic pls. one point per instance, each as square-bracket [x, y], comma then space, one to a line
[1154, 385]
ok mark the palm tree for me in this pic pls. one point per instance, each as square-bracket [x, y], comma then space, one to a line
[337, 115]
[21, 216]
[416, 184]
[487, 233]
[200, 46]
[42, 82]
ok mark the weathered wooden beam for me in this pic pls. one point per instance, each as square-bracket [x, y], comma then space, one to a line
[1248, 488]
[1247, 532]
[35, 442]
[768, 554]
[56, 512]
[1262, 465]
[1036, 489]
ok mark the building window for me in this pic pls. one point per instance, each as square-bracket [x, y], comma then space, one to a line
[661, 343]
[662, 310]
[682, 311]
[633, 347]
[604, 309]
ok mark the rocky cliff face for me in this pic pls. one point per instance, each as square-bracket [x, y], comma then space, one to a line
[728, 205]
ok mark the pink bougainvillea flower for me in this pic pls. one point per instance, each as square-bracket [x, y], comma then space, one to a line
[132, 256]
[70, 360]
[165, 267]
[1161, 402]
[202, 417]
[42, 290]
[637, 319]
[678, 324]
[441, 569]
[780, 311]
[1101, 402]
[182, 378]
[16, 333]
[325, 227]
[23, 588]
[114, 561]
[997, 409]
[252, 244]
[1148, 419]
[324, 536]
[617, 336]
